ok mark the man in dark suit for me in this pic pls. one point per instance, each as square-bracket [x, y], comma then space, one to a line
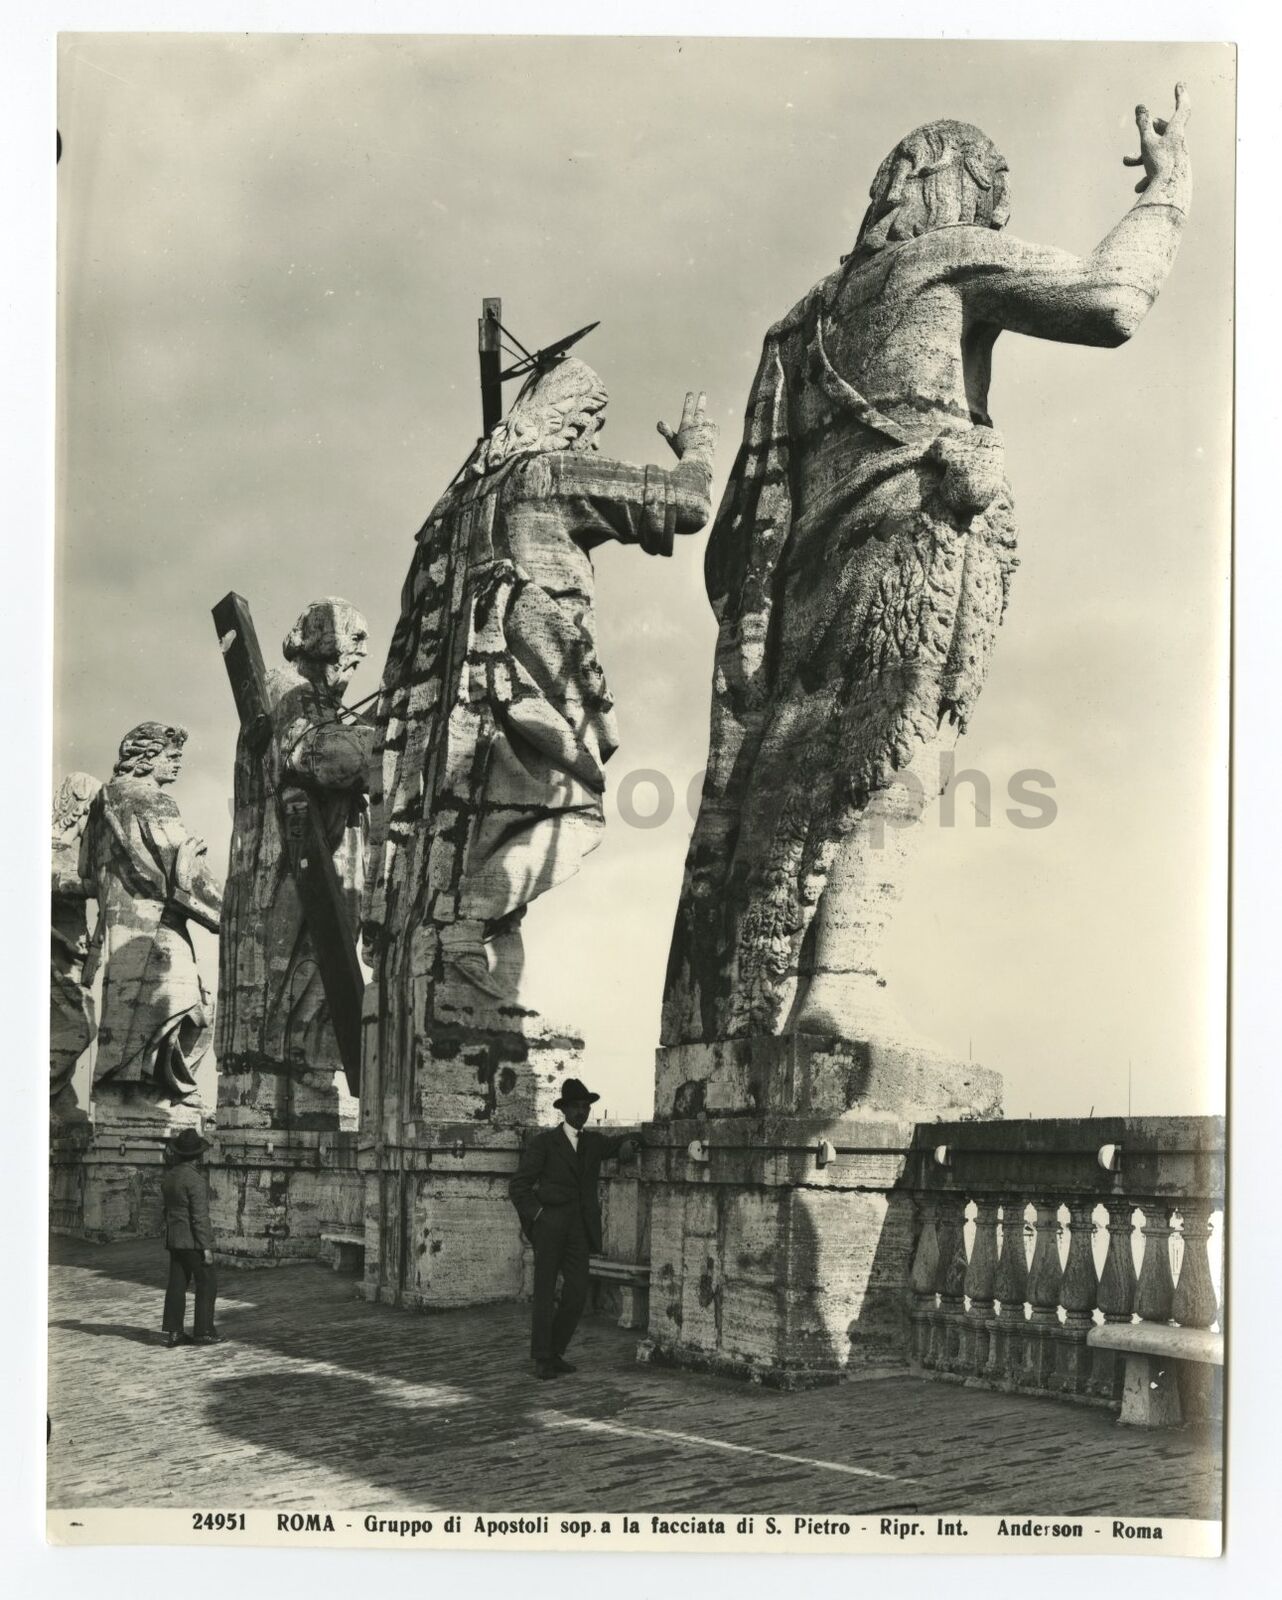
[191, 1243]
[555, 1195]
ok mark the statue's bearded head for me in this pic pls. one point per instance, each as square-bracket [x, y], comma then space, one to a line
[561, 408]
[152, 750]
[942, 175]
[327, 643]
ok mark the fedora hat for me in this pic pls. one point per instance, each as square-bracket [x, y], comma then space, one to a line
[572, 1089]
[188, 1143]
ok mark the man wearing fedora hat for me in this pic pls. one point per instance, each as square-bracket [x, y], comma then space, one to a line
[190, 1239]
[555, 1195]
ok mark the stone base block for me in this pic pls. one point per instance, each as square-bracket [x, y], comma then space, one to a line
[767, 1265]
[806, 1075]
[299, 1101]
[273, 1196]
[440, 1230]
[104, 1176]
[502, 1068]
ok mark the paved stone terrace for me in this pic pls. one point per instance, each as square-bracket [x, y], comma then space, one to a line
[320, 1400]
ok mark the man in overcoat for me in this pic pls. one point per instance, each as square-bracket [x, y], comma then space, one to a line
[190, 1239]
[555, 1195]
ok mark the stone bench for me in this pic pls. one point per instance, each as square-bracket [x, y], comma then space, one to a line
[1162, 1361]
[632, 1279]
[349, 1246]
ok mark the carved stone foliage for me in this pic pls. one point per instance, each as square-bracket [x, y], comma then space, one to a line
[149, 877]
[71, 1007]
[859, 568]
[273, 1018]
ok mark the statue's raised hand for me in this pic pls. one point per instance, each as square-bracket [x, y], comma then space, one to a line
[1161, 141]
[697, 434]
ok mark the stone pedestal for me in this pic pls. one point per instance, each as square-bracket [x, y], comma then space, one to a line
[780, 1237]
[440, 1230]
[282, 1172]
[104, 1181]
[442, 1137]
[278, 1197]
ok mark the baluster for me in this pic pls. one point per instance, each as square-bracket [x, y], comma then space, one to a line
[981, 1275]
[1007, 1351]
[1044, 1277]
[1155, 1291]
[1117, 1281]
[1193, 1306]
[1077, 1294]
[1116, 1296]
[922, 1279]
[951, 1281]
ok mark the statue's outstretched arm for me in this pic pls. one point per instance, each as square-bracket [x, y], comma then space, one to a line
[1100, 299]
[605, 499]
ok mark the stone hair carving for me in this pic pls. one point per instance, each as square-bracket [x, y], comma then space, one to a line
[560, 408]
[71, 804]
[860, 566]
[327, 630]
[142, 746]
[943, 175]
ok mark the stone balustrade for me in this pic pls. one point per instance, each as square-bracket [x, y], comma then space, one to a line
[1030, 1235]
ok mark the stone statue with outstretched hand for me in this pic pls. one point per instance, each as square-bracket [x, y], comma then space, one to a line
[859, 568]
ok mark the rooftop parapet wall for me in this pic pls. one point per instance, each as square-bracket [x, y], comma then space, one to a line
[1033, 1237]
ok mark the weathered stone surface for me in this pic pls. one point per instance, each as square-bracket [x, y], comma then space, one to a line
[494, 726]
[104, 1178]
[767, 1266]
[71, 1008]
[860, 565]
[494, 718]
[859, 568]
[149, 876]
[273, 1195]
[278, 1059]
[801, 1074]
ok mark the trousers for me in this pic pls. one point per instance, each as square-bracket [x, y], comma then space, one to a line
[560, 1248]
[184, 1265]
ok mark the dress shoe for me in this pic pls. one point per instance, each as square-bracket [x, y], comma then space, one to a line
[560, 1364]
[208, 1338]
[546, 1369]
[173, 1340]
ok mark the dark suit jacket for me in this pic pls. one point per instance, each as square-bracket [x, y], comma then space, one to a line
[186, 1197]
[552, 1176]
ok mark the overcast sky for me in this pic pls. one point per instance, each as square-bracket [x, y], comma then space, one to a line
[272, 253]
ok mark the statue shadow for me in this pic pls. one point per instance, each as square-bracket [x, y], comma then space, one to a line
[411, 1451]
[109, 1330]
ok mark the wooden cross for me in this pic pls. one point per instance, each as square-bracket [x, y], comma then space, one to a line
[489, 345]
[308, 855]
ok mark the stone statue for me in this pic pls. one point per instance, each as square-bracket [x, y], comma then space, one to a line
[149, 877]
[273, 1018]
[71, 1007]
[859, 568]
[494, 719]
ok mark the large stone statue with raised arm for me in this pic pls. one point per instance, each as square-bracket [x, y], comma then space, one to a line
[495, 723]
[278, 1057]
[149, 877]
[859, 568]
[71, 1007]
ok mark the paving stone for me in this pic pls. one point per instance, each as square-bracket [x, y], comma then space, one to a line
[320, 1399]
